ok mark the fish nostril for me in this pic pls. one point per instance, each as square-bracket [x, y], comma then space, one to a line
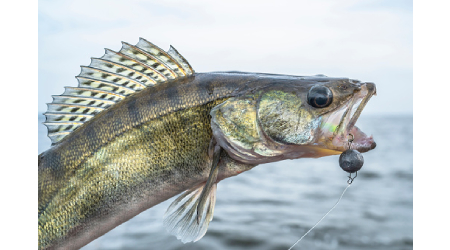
[356, 86]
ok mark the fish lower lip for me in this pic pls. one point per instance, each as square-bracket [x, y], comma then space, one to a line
[361, 141]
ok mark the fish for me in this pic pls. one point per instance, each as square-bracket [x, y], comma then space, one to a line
[142, 126]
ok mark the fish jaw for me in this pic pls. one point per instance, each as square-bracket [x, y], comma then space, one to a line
[239, 127]
[338, 129]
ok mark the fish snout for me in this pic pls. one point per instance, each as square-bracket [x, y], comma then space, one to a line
[371, 87]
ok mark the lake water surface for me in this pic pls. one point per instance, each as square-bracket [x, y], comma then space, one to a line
[273, 205]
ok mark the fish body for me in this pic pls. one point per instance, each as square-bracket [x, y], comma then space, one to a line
[183, 134]
[135, 155]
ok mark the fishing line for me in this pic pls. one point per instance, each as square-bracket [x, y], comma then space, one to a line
[350, 161]
[349, 183]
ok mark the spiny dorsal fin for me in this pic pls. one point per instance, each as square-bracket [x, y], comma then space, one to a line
[110, 79]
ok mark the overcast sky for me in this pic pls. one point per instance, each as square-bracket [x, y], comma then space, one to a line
[369, 40]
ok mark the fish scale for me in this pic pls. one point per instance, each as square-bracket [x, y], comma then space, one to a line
[161, 119]
[145, 158]
[138, 146]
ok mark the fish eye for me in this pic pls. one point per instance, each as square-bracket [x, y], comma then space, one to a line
[320, 96]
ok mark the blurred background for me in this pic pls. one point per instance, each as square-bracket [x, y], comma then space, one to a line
[272, 205]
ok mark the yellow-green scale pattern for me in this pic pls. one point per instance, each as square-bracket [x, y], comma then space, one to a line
[159, 151]
[139, 152]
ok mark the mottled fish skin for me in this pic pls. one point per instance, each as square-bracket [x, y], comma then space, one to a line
[139, 152]
[142, 151]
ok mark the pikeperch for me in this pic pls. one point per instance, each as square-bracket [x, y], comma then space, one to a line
[142, 127]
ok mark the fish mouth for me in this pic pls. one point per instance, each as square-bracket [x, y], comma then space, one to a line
[339, 128]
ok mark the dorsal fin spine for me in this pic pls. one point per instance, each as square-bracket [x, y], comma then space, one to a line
[171, 62]
[62, 113]
[90, 92]
[160, 67]
[67, 105]
[97, 63]
[52, 117]
[62, 123]
[110, 79]
[80, 97]
[118, 81]
[88, 82]
[61, 133]
[84, 101]
[153, 72]
[86, 70]
[172, 51]
[95, 90]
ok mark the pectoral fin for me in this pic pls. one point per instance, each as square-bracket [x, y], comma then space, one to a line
[189, 215]
[209, 184]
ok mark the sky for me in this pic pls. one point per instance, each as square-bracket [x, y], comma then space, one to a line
[370, 40]
[367, 40]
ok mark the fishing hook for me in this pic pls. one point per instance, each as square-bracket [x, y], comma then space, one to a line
[350, 178]
[350, 140]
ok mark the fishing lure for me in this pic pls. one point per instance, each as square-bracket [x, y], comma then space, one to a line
[351, 161]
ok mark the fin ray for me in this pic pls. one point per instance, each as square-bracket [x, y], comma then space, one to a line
[94, 93]
[147, 59]
[100, 74]
[181, 60]
[161, 55]
[134, 64]
[88, 82]
[108, 80]
[180, 218]
[109, 66]
[75, 109]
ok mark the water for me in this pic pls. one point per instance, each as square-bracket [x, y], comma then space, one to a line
[273, 205]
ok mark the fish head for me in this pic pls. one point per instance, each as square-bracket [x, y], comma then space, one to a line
[317, 113]
[337, 127]
[297, 117]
